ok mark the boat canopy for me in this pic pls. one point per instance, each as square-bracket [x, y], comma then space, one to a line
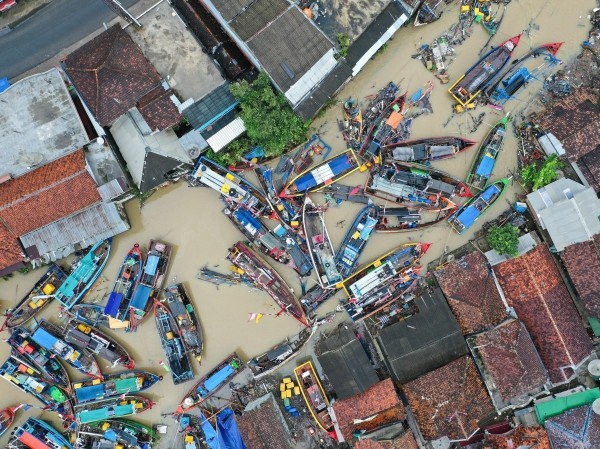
[214, 381]
[151, 264]
[87, 416]
[324, 173]
[32, 442]
[486, 166]
[89, 393]
[114, 303]
[44, 338]
[141, 296]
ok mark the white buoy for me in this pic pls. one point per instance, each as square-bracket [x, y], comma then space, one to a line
[594, 369]
[596, 406]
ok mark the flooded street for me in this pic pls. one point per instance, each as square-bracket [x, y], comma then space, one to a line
[191, 220]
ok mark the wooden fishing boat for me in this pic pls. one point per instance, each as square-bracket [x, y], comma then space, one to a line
[50, 336]
[314, 297]
[483, 164]
[469, 213]
[7, 416]
[122, 291]
[430, 11]
[270, 361]
[266, 278]
[383, 281]
[97, 342]
[314, 395]
[28, 379]
[378, 104]
[117, 407]
[413, 184]
[304, 157]
[83, 275]
[425, 150]
[173, 345]
[341, 192]
[353, 123]
[214, 277]
[38, 434]
[402, 219]
[127, 382]
[38, 356]
[284, 209]
[319, 245]
[466, 89]
[328, 172]
[92, 315]
[356, 240]
[115, 433]
[381, 128]
[149, 283]
[231, 185]
[179, 302]
[39, 297]
[249, 160]
[211, 382]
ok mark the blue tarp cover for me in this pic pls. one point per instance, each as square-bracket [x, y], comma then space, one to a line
[140, 299]
[245, 217]
[490, 192]
[337, 165]
[218, 378]
[468, 216]
[151, 264]
[89, 393]
[210, 434]
[114, 302]
[227, 430]
[43, 338]
[256, 152]
[486, 166]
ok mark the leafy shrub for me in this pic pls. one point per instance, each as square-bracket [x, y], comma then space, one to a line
[504, 239]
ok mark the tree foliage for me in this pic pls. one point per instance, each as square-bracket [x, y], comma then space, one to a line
[504, 239]
[538, 177]
[344, 42]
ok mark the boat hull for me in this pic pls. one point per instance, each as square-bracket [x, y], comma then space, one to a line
[426, 150]
[113, 385]
[179, 302]
[314, 395]
[101, 410]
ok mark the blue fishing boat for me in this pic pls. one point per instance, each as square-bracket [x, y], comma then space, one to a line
[30, 380]
[115, 434]
[211, 382]
[38, 434]
[84, 274]
[91, 314]
[469, 213]
[50, 336]
[124, 285]
[324, 174]
[116, 407]
[172, 343]
[483, 164]
[356, 240]
[118, 384]
[149, 283]
[181, 307]
[285, 209]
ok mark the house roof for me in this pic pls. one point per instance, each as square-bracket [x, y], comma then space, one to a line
[578, 428]
[519, 437]
[345, 363]
[11, 254]
[590, 167]
[111, 74]
[156, 166]
[380, 401]
[508, 358]
[46, 194]
[406, 441]
[158, 110]
[424, 341]
[209, 108]
[573, 121]
[582, 262]
[533, 286]
[262, 425]
[253, 19]
[472, 294]
[449, 401]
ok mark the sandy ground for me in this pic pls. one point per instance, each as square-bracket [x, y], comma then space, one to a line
[190, 218]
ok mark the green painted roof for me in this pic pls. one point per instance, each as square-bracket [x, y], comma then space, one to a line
[548, 409]
[595, 325]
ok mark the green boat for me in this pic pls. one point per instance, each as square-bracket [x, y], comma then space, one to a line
[116, 407]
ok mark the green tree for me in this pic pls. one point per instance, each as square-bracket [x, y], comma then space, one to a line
[344, 42]
[504, 239]
[537, 178]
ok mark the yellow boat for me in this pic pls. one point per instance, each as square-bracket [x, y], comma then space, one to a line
[314, 395]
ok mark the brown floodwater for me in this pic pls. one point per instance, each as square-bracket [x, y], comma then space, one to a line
[191, 219]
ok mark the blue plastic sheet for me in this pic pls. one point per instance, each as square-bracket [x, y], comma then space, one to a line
[151, 264]
[140, 299]
[113, 304]
[227, 431]
[210, 434]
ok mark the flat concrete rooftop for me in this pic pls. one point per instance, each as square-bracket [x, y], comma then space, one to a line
[175, 53]
[38, 123]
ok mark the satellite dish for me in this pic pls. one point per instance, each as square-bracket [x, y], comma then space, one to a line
[193, 151]
[30, 160]
[100, 141]
[596, 406]
[594, 369]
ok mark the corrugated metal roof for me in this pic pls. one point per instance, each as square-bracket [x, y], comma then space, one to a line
[221, 139]
[58, 239]
[209, 108]
[113, 189]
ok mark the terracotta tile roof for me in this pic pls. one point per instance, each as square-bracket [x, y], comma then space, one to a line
[406, 441]
[590, 167]
[527, 437]
[262, 427]
[380, 399]
[47, 194]
[507, 353]
[534, 287]
[578, 428]
[573, 121]
[582, 261]
[472, 293]
[11, 253]
[111, 73]
[158, 110]
[449, 401]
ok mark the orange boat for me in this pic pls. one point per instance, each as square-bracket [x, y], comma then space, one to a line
[7, 416]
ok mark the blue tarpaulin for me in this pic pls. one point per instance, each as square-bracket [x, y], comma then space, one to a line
[227, 431]
[210, 434]
[114, 302]
[140, 299]
[89, 393]
[218, 378]
[255, 153]
[245, 217]
[468, 216]
[486, 166]
[490, 192]
[4, 84]
[43, 338]
[337, 165]
[151, 264]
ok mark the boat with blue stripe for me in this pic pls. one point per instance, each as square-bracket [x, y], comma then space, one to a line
[38, 434]
[356, 240]
[483, 165]
[117, 407]
[84, 274]
[473, 209]
[114, 385]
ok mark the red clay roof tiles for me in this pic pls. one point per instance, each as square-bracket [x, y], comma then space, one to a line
[11, 253]
[380, 399]
[472, 293]
[262, 428]
[582, 261]
[578, 428]
[449, 401]
[526, 437]
[158, 110]
[406, 441]
[507, 353]
[534, 287]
